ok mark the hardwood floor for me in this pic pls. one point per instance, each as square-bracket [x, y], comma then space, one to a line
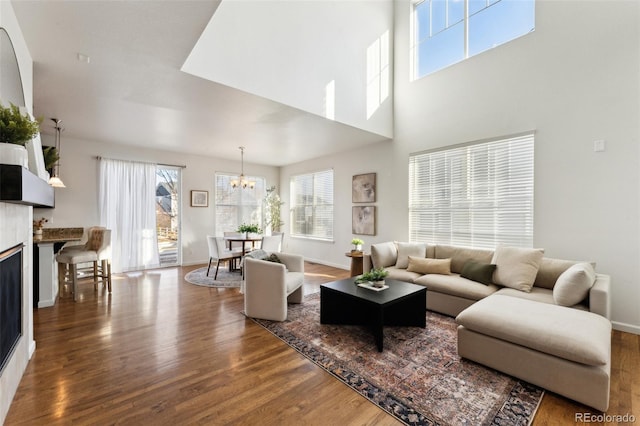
[161, 351]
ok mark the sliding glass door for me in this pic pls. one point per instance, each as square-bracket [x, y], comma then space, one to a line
[168, 196]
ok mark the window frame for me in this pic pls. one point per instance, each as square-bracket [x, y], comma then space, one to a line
[295, 180]
[416, 42]
[255, 208]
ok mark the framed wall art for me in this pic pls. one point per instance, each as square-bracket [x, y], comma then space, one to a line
[363, 221]
[363, 188]
[199, 198]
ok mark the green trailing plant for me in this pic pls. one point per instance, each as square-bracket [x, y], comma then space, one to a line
[377, 274]
[15, 127]
[51, 156]
[253, 228]
[272, 206]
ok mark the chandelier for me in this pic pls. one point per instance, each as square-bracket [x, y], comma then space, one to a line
[55, 180]
[242, 181]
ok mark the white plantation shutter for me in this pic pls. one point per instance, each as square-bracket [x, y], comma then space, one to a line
[478, 195]
[312, 205]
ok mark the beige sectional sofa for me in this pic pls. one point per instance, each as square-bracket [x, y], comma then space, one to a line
[540, 319]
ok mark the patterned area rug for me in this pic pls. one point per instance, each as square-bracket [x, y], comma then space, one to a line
[225, 278]
[418, 378]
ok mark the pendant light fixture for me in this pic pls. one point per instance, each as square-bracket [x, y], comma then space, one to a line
[242, 181]
[55, 180]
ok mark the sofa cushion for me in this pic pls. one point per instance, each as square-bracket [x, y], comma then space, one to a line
[571, 334]
[401, 274]
[537, 294]
[550, 269]
[423, 265]
[573, 285]
[409, 249]
[383, 254]
[516, 267]
[478, 271]
[460, 255]
[455, 285]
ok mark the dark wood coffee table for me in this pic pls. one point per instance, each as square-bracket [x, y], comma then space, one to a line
[402, 304]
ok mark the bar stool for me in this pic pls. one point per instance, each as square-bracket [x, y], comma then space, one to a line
[97, 251]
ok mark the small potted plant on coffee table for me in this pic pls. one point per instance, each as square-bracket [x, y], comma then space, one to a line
[375, 276]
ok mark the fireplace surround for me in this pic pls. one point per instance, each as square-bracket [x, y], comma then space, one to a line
[10, 301]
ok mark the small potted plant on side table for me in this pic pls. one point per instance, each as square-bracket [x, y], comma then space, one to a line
[357, 245]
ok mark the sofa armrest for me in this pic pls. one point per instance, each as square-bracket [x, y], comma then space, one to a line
[293, 262]
[366, 263]
[600, 296]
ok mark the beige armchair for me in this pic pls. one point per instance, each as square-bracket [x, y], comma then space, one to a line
[269, 286]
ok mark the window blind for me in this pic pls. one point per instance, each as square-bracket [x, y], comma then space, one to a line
[478, 195]
[311, 197]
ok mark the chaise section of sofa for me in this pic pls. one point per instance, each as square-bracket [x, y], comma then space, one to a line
[567, 351]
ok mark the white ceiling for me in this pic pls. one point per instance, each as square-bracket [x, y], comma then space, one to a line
[132, 92]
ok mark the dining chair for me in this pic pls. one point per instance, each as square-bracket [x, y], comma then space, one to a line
[272, 243]
[219, 253]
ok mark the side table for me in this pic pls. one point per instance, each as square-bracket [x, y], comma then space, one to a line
[356, 262]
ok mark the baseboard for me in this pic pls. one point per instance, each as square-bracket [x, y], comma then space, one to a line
[197, 262]
[32, 348]
[324, 262]
[629, 328]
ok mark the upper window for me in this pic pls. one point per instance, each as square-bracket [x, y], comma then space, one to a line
[478, 195]
[312, 205]
[448, 31]
[235, 206]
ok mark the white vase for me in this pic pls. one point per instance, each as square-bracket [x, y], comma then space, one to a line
[378, 284]
[37, 232]
[11, 153]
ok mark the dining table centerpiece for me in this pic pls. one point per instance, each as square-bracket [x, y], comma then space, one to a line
[250, 230]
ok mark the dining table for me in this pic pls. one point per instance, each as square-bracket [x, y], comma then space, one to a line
[244, 240]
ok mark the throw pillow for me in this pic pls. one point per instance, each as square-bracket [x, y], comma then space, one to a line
[383, 254]
[516, 267]
[574, 284]
[409, 249]
[273, 258]
[478, 271]
[424, 265]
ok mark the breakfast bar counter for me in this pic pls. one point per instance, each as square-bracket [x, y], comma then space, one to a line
[45, 268]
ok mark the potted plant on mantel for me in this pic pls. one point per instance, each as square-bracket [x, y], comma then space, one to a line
[16, 130]
[251, 231]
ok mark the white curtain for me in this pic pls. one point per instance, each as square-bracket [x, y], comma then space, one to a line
[127, 207]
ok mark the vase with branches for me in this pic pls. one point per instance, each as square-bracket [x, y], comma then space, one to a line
[272, 209]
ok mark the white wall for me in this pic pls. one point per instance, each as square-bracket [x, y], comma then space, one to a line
[77, 204]
[291, 56]
[16, 227]
[574, 80]
[371, 160]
